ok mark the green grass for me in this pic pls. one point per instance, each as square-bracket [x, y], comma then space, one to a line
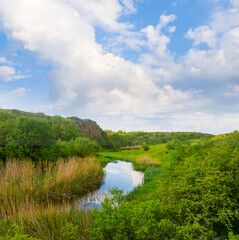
[157, 153]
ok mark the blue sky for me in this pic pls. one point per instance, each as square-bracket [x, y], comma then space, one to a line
[127, 64]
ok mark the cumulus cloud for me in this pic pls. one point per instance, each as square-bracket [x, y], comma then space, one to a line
[62, 33]
[88, 75]
[156, 40]
[220, 61]
[202, 34]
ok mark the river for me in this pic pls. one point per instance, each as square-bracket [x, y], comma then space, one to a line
[118, 174]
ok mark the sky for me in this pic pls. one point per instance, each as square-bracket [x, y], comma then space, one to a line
[150, 65]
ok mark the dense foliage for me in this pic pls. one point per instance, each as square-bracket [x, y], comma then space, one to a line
[191, 188]
[122, 138]
[196, 197]
[41, 137]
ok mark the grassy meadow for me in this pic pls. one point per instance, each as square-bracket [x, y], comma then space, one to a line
[157, 155]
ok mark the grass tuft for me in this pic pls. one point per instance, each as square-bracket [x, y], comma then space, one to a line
[149, 161]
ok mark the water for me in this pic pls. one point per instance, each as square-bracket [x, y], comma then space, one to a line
[118, 174]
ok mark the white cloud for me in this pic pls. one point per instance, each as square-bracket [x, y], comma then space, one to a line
[225, 19]
[9, 96]
[165, 20]
[150, 36]
[172, 29]
[156, 40]
[232, 91]
[202, 34]
[206, 122]
[235, 3]
[129, 6]
[104, 13]
[62, 32]
[3, 60]
[89, 77]
[6, 73]
[220, 61]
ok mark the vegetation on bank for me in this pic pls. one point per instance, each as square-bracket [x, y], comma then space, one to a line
[191, 188]
[122, 138]
[41, 138]
[46, 222]
[195, 197]
[156, 155]
[29, 194]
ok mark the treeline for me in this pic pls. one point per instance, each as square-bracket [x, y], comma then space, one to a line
[118, 139]
[41, 138]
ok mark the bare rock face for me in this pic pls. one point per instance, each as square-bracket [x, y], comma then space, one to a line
[88, 128]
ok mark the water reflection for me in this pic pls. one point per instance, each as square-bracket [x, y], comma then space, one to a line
[118, 174]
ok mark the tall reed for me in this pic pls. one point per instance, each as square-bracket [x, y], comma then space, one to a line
[49, 222]
[23, 182]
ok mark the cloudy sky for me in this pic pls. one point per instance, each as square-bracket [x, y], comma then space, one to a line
[152, 65]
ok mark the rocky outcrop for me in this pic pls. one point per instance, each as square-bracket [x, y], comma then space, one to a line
[88, 128]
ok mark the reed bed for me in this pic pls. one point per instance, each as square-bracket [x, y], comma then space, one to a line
[48, 222]
[23, 182]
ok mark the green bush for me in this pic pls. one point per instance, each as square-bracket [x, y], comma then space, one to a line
[15, 232]
[146, 148]
[70, 232]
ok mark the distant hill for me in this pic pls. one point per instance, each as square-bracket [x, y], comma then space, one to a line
[122, 138]
[86, 127]
[90, 129]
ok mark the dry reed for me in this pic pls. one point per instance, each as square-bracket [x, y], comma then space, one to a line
[148, 161]
[21, 182]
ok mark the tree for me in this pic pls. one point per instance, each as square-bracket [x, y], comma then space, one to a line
[32, 138]
[64, 129]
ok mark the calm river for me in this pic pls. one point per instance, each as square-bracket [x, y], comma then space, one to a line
[118, 174]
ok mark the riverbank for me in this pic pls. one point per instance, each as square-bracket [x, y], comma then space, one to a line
[30, 194]
[29, 205]
[156, 155]
[192, 195]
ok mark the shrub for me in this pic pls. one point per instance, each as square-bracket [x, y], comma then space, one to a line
[146, 148]
[16, 233]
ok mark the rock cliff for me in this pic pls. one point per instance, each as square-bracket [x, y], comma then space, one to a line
[88, 128]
